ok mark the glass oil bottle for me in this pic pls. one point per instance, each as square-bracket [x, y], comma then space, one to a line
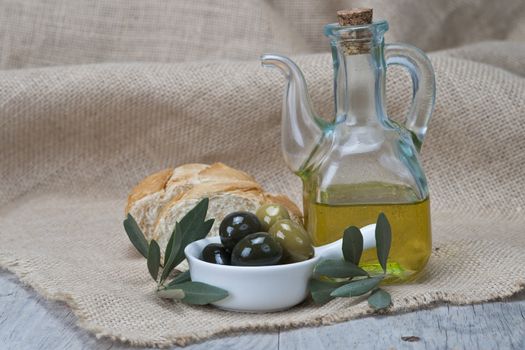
[362, 163]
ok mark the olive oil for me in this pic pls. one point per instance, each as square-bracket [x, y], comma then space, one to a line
[409, 219]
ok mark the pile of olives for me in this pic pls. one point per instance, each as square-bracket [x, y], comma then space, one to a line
[267, 237]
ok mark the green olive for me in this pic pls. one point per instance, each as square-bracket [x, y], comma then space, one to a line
[294, 239]
[269, 214]
[257, 249]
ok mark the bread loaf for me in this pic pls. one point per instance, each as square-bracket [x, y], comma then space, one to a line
[162, 199]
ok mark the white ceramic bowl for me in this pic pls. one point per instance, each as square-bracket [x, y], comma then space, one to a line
[262, 288]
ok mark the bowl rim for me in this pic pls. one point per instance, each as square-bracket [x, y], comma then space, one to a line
[193, 259]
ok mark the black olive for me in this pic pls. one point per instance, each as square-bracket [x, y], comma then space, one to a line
[215, 253]
[236, 226]
[257, 249]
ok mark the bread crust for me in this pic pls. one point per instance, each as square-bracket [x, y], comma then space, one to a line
[161, 180]
[217, 172]
[151, 184]
[184, 173]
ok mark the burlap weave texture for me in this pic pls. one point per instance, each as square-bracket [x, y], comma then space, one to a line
[75, 138]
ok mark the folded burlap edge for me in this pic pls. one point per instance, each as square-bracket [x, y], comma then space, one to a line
[424, 301]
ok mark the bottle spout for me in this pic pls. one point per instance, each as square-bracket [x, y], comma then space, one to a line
[285, 65]
[301, 128]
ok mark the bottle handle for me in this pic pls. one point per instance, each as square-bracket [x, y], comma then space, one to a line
[423, 87]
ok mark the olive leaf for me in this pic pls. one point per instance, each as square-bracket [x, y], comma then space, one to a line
[174, 247]
[136, 236]
[352, 244]
[190, 234]
[383, 240]
[338, 269]
[379, 299]
[320, 290]
[177, 294]
[197, 293]
[357, 288]
[169, 247]
[154, 259]
[180, 278]
[191, 228]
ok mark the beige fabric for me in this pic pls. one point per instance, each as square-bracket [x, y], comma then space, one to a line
[75, 139]
[57, 32]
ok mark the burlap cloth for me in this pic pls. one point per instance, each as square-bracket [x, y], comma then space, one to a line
[75, 138]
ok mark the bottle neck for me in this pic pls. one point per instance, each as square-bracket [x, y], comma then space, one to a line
[358, 84]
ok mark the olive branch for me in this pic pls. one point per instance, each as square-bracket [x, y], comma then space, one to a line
[327, 283]
[192, 227]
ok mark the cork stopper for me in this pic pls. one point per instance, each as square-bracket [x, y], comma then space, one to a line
[358, 42]
[355, 17]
